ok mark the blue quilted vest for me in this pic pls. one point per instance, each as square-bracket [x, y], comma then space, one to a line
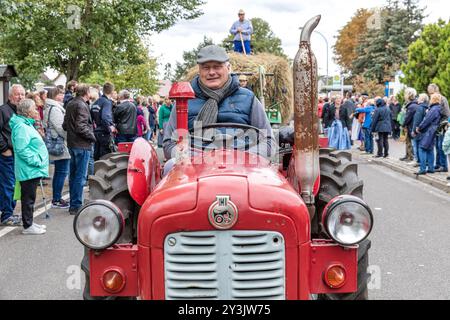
[236, 108]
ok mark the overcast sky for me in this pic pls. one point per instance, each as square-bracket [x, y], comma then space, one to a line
[284, 16]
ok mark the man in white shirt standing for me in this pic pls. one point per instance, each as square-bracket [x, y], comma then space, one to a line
[242, 31]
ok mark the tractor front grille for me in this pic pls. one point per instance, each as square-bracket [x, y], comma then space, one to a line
[225, 265]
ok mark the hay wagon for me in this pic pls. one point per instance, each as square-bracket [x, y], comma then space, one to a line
[270, 78]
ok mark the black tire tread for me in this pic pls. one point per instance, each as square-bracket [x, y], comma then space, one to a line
[338, 176]
[109, 182]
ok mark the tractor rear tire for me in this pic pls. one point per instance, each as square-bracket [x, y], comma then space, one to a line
[339, 176]
[109, 182]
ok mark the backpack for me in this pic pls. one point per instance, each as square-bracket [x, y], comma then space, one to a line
[55, 146]
[401, 117]
[443, 127]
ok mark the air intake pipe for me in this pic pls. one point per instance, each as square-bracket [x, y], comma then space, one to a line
[306, 126]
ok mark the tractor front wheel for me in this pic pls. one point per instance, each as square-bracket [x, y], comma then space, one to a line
[339, 176]
[109, 182]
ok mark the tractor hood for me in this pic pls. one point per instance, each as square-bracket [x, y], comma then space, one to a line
[255, 186]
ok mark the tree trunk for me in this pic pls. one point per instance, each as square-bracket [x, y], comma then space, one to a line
[73, 68]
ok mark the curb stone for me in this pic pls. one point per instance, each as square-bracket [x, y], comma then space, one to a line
[436, 180]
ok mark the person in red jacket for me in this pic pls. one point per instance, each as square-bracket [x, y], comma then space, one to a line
[320, 109]
[141, 123]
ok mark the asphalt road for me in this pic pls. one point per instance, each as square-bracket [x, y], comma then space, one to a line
[410, 239]
[409, 256]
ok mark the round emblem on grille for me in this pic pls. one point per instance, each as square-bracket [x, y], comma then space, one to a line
[223, 213]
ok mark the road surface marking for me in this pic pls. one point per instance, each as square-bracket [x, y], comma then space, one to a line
[37, 213]
[6, 230]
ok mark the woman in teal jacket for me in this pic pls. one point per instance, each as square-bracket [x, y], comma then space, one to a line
[163, 118]
[30, 161]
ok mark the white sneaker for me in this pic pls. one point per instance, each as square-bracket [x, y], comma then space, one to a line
[40, 226]
[33, 230]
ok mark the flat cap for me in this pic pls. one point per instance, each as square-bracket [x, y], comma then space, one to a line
[212, 53]
[379, 102]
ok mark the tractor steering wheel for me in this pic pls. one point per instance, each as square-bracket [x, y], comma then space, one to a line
[225, 135]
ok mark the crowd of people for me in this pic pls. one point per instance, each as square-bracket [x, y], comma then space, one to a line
[68, 129]
[72, 128]
[424, 121]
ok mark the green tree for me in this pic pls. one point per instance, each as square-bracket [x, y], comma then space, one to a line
[383, 50]
[142, 77]
[349, 37]
[82, 37]
[168, 71]
[263, 39]
[429, 59]
[190, 59]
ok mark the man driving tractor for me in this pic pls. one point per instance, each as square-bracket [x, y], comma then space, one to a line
[220, 99]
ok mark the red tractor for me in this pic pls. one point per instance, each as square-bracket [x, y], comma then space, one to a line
[226, 223]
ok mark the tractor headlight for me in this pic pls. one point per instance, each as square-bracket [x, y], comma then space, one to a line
[347, 219]
[98, 224]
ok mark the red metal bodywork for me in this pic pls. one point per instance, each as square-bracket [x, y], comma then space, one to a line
[182, 92]
[266, 201]
[118, 257]
[323, 141]
[144, 170]
[125, 147]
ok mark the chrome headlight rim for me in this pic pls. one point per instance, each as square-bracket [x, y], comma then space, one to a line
[111, 206]
[338, 201]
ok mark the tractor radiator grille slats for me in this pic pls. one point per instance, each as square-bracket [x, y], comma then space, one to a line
[191, 266]
[225, 265]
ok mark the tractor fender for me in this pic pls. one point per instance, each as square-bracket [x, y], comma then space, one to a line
[144, 170]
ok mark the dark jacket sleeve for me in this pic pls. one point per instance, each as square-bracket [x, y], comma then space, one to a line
[418, 117]
[83, 127]
[375, 118]
[410, 115]
[107, 115]
[428, 120]
[326, 110]
[329, 118]
[117, 113]
[346, 121]
[3, 143]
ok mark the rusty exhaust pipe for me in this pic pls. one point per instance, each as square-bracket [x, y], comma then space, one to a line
[306, 134]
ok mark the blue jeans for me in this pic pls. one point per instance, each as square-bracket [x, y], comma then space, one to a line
[368, 140]
[7, 182]
[441, 158]
[415, 144]
[238, 46]
[91, 163]
[426, 159]
[149, 134]
[125, 138]
[77, 179]
[59, 177]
